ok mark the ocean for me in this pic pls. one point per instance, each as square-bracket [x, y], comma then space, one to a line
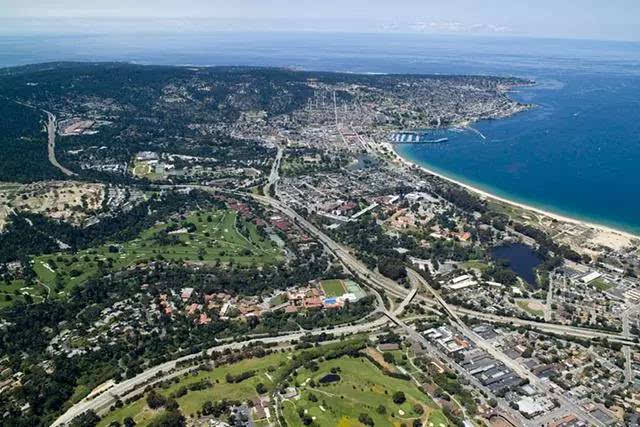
[575, 153]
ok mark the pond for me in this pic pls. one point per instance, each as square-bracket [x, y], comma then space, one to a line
[522, 260]
[329, 378]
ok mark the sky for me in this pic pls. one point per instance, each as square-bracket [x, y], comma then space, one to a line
[592, 19]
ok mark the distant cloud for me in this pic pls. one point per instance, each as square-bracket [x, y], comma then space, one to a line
[446, 27]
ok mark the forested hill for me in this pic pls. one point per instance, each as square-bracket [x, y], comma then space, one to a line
[184, 110]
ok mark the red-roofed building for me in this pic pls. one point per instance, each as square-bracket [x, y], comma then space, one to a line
[291, 309]
[191, 310]
[313, 302]
[186, 294]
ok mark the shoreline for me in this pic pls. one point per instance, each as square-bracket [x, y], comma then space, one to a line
[487, 195]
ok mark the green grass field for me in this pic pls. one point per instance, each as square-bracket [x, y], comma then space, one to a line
[476, 264]
[145, 170]
[14, 290]
[192, 402]
[216, 239]
[524, 305]
[362, 389]
[333, 287]
[601, 284]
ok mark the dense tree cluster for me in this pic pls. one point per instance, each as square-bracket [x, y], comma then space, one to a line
[393, 268]
[35, 234]
[23, 144]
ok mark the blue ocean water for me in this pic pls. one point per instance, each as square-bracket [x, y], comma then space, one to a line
[576, 153]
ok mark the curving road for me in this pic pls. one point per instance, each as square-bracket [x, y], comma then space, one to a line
[51, 146]
[103, 401]
[376, 282]
[381, 282]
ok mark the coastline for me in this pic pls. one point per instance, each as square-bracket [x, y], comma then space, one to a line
[598, 227]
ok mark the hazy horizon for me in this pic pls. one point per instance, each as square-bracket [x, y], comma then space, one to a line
[590, 19]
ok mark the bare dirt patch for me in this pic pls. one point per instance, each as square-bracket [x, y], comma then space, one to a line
[68, 201]
[377, 356]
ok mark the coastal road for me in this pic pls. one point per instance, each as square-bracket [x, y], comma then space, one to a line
[51, 146]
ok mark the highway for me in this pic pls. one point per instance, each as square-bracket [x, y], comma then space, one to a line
[375, 279]
[553, 328]
[274, 175]
[392, 288]
[520, 370]
[51, 146]
[105, 400]
[102, 402]
[376, 282]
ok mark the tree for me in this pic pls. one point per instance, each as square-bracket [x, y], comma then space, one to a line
[155, 400]
[261, 389]
[381, 409]
[399, 397]
[392, 268]
[365, 419]
[168, 419]
[86, 419]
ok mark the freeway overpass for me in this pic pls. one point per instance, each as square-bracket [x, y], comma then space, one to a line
[378, 281]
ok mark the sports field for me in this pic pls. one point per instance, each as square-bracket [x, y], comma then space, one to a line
[142, 169]
[333, 288]
[204, 236]
[339, 287]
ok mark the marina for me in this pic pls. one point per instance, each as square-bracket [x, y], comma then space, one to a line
[416, 137]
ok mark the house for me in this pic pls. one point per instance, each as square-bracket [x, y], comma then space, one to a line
[204, 319]
[191, 310]
[291, 309]
[313, 302]
[186, 294]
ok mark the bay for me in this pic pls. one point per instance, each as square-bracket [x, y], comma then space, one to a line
[576, 153]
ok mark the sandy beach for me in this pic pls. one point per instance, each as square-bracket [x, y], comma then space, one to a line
[482, 193]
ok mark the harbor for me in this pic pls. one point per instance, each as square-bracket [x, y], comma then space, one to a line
[416, 137]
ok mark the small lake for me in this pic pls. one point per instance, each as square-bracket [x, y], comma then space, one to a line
[329, 378]
[522, 260]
